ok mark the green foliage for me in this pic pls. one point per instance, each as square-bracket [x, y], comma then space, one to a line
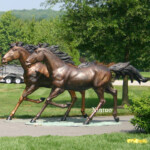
[38, 14]
[112, 30]
[141, 110]
[9, 30]
[34, 32]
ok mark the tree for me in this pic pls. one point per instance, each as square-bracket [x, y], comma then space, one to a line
[9, 30]
[112, 30]
[34, 31]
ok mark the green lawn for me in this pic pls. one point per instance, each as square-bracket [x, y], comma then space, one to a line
[114, 141]
[10, 93]
[145, 74]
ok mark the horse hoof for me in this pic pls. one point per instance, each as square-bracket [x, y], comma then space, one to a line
[86, 122]
[85, 116]
[63, 119]
[68, 104]
[9, 118]
[32, 121]
[42, 99]
[116, 119]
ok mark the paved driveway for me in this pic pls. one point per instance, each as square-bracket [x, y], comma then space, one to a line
[135, 83]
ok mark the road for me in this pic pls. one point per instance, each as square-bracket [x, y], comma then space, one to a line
[135, 83]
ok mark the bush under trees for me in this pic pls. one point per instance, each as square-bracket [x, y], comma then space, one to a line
[141, 110]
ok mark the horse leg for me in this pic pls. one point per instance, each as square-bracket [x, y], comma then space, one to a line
[16, 107]
[30, 90]
[100, 94]
[74, 98]
[54, 93]
[113, 92]
[26, 92]
[83, 104]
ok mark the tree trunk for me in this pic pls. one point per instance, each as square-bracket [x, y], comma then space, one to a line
[125, 98]
[0, 59]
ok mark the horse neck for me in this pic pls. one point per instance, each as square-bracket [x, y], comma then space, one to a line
[52, 61]
[107, 65]
[110, 64]
[23, 57]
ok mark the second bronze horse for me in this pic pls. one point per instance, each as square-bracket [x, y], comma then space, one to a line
[93, 75]
[67, 77]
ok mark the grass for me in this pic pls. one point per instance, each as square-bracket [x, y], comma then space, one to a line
[10, 93]
[145, 74]
[114, 141]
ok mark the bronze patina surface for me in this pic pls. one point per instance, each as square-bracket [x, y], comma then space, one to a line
[67, 77]
[37, 76]
[92, 75]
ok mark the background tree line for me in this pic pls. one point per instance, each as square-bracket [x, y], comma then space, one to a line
[38, 14]
[13, 29]
[111, 30]
[103, 30]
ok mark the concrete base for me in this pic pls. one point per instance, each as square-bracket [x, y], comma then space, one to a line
[71, 121]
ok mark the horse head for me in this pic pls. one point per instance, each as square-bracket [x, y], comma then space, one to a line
[12, 54]
[35, 57]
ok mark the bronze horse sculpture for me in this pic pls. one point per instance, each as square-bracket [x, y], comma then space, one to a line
[66, 77]
[92, 75]
[39, 72]
[37, 76]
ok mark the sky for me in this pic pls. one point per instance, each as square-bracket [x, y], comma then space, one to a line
[6, 5]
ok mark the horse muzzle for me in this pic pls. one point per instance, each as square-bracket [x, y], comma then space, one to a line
[28, 64]
[4, 61]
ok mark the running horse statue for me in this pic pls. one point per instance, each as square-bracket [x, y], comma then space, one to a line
[67, 77]
[37, 75]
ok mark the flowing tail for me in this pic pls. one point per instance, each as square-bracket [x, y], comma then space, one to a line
[123, 69]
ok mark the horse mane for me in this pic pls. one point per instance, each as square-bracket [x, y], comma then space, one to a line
[30, 48]
[54, 49]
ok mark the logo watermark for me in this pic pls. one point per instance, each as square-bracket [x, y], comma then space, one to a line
[102, 110]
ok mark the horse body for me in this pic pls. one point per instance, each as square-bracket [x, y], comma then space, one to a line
[66, 77]
[38, 75]
[80, 78]
[34, 77]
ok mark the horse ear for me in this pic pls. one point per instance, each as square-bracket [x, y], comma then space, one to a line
[39, 45]
[12, 45]
[20, 43]
[17, 43]
[44, 45]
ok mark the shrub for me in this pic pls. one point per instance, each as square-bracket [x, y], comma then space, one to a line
[141, 110]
